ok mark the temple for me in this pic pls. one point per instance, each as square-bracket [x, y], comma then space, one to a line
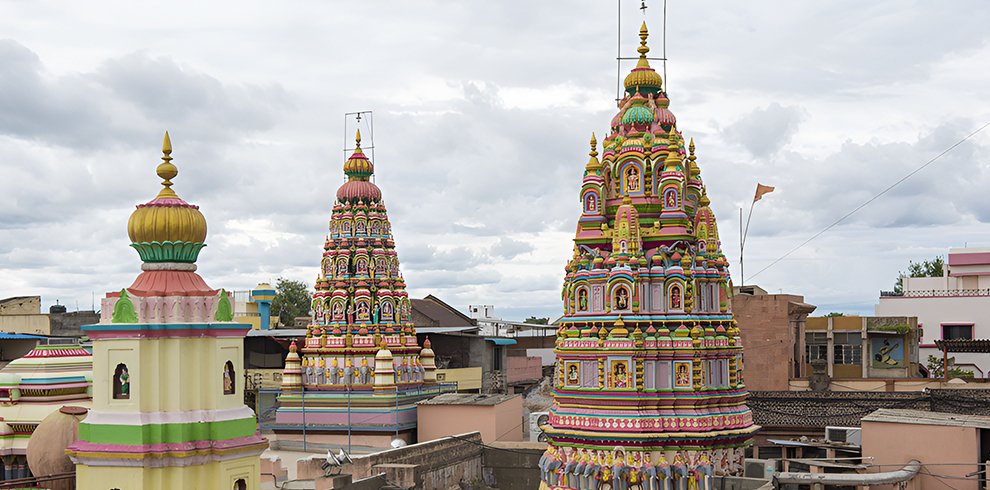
[55, 373]
[168, 406]
[361, 371]
[649, 391]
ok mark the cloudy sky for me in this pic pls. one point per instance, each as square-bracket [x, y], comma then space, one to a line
[482, 115]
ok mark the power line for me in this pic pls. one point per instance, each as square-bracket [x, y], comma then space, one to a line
[874, 198]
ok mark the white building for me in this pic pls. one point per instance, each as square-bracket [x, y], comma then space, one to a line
[954, 306]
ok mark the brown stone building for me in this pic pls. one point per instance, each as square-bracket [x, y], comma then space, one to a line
[772, 327]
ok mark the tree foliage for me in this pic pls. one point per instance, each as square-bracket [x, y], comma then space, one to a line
[292, 299]
[927, 268]
[935, 368]
[537, 321]
[835, 313]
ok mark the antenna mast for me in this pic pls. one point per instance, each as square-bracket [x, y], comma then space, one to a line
[618, 47]
[359, 120]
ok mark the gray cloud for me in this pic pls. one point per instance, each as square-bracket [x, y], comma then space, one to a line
[763, 132]
[507, 248]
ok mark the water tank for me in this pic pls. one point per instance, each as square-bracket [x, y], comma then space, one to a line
[56, 309]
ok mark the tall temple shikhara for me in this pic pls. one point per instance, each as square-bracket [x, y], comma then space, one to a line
[168, 406]
[649, 389]
[361, 371]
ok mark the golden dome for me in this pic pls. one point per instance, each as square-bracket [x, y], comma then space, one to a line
[358, 166]
[643, 76]
[167, 221]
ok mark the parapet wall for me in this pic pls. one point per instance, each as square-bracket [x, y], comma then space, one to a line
[437, 464]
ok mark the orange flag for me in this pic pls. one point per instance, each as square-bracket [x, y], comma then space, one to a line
[761, 190]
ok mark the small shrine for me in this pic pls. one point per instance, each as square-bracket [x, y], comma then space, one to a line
[55, 373]
[359, 373]
[168, 406]
[649, 389]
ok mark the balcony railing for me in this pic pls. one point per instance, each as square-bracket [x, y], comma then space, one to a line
[936, 293]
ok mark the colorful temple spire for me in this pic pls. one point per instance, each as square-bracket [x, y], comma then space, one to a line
[167, 361]
[649, 390]
[360, 346]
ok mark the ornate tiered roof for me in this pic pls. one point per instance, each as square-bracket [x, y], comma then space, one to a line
[649, 358]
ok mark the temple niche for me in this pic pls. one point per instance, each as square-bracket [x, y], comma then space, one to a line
[360, 345]
[649, 390]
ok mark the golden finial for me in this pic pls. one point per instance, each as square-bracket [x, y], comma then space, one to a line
[691, 146]
[594, 145]
[644, 33]
[166, 170]
[357, 139]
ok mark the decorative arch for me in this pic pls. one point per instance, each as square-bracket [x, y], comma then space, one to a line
[121, 382]
[387, 311]
[670, 198]
[675, 296]
[229, 379]
[337, 309]
[240, 484]
[363, 309]
[591, 201]
[621, 297]
[360, 227]
[341, 266]
[345, 227]
[632, 179]
[582, 298]
[361, 266]
[380, 268]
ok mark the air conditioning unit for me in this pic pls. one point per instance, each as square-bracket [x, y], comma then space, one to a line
[760, 468]
[536, 419]
[844, 435]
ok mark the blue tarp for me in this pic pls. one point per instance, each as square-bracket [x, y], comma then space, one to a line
[6, 336]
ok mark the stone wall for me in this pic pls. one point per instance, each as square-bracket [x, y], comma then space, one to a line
[439, 464]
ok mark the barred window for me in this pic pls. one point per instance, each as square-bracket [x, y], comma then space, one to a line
[816, 351]
[848, 354]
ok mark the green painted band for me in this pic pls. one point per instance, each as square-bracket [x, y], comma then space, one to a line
[167, 433]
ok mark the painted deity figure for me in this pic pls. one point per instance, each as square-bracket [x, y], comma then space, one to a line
[363, 370]
[621, 299]
[591, 203]
[589, 477]
[619, 375]
[341, 267]
[346, 228]
[632, 179]
[682, 377]
[124, 378]
[583, 299]
[334, 372]
[421, 370]
[308, 373]
[387, 311]
[634, 469]
[359, 228]
[671, 200]
[348, 372]
[338, 311]
[375, 228]
[572, 375]
[362, 311]
[380, 268]
[675, 298]
[679, 471]
[228, 382]
[321, 372]
[362, 266]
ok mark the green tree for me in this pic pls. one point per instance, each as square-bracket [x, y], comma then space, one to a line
[928, 268]
[835, 313]
[292, 299]
[935, 368]
[537, 321]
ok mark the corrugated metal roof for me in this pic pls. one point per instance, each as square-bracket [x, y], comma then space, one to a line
[964, 345]
[467, 399]
[922, 417]
[500, 341]
[278, 332]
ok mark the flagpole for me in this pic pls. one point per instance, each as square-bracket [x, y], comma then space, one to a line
[742, 243]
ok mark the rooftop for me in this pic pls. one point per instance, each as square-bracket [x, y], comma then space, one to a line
[467, 399]
[921, 417]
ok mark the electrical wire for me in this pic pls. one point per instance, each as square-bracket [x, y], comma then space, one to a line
[874, 198]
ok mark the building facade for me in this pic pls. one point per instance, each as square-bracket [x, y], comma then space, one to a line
[856, 347]
[950, 307]
[772, 329]
[649, 383]
[168, 404]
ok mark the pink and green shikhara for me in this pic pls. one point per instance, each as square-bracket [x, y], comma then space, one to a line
[360, 344]
[649, 390]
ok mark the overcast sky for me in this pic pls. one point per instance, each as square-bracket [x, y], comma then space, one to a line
[482, 115]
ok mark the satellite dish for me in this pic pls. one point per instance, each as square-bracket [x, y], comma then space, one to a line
[343, 457]
[542, 420]
[331, 465]
[397, 443]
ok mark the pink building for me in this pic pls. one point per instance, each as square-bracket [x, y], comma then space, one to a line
[953, 306]
[951, 447]
[496, 417]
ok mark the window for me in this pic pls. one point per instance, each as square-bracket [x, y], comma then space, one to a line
[848, 348]
[959, 331]
[816, 346]
[589, 374]
[240, 484]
